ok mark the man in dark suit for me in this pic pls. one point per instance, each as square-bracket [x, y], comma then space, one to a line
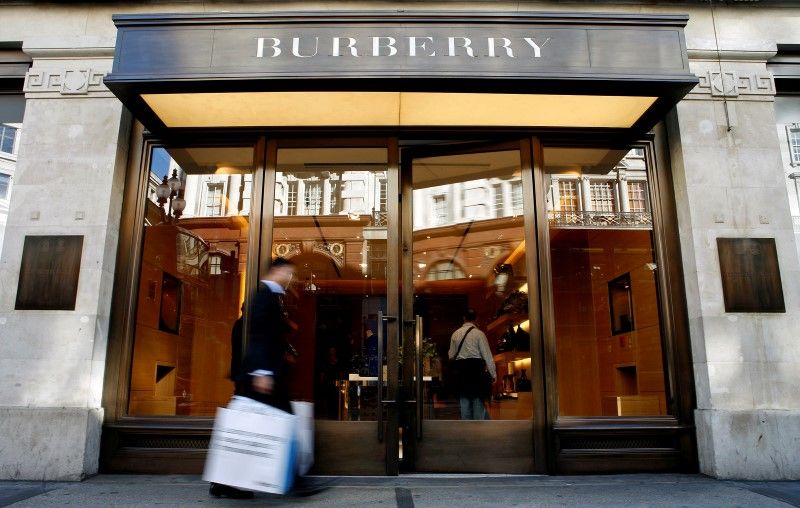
[263, 375]
[265, 368]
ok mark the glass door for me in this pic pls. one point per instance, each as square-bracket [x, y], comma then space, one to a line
[468, 262]
[332, 217]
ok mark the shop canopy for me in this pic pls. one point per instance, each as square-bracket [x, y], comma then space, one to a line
[612, 72]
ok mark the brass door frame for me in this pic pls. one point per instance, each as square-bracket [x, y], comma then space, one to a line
[481, 436]
[352, 447]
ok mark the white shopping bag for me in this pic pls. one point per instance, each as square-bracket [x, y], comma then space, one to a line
[253, 447]
[304, 411]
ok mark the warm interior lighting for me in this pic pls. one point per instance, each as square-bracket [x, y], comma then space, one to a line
[301, 109]
[524, 363]
[523, 289]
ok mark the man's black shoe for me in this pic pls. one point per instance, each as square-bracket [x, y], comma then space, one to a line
[220, 490]
[303, 487]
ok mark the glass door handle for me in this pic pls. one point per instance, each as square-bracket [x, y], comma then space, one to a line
[381, 402]
[418, 367]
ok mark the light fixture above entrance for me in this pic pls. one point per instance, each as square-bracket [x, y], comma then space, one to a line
[396, 109]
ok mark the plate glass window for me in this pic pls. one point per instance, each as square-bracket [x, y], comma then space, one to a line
[607, 322]
[191, 282]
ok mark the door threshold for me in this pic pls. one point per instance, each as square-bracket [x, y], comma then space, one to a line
[467, 475]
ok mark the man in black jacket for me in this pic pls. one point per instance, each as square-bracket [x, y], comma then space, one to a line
[265, 368]
[263, 375]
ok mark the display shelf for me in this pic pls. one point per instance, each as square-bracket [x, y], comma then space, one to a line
[504, 319]
[511, 356]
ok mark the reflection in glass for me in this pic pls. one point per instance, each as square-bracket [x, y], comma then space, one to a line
[608, 335]
[330, 220]
[191, 284]
[469, 252]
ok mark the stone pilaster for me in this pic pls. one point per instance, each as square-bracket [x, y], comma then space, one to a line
[729, 183]
[69, 181]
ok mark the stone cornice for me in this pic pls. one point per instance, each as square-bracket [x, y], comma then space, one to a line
[69, 47]
[730, 56]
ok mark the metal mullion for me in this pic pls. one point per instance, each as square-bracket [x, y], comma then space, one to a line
[393, 299]
[548, 337]
[535, 223]
[256, 231]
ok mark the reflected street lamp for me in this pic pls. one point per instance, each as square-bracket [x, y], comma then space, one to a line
[171, 190]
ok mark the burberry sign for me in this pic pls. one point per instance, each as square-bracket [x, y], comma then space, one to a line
[377, 46]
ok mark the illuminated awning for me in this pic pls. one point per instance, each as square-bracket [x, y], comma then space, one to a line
[553, 70]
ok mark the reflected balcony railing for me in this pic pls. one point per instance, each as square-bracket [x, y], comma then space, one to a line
[610, 220]
[379, 218]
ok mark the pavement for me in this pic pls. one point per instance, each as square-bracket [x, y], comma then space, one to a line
[410, 491]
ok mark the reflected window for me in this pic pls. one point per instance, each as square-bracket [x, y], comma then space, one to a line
[313, 198]
[793, 132]
[605, 303]
[568, 195]
[637, 200]
[190, 286]
[516, 197]
[335, 195]
[440, 210]
[291, 197]
[602, 195]
[214, 199]
[215, 265]
[383, 195]
[475, 203]
[497, 193]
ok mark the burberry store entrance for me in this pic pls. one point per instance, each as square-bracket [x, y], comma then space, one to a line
[393, 242]
[405, 201]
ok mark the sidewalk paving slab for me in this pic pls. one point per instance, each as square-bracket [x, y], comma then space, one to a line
[418, 491]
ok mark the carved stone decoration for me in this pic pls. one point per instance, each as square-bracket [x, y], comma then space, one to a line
[286, 250]
[68, 82]
[334, 250]
[733, 85]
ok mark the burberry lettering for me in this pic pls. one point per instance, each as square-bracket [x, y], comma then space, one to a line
[411, 46]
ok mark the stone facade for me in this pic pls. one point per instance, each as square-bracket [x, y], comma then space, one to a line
[68, 180]
[728, 176]
[729, 182]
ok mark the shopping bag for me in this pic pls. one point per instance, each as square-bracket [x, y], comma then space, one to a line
[304, 411]
[253, 447]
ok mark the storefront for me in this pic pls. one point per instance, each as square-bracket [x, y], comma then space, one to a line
[610, 188]
[413, 166]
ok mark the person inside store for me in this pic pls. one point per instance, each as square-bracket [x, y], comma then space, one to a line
[473, 365]
[264, 371]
